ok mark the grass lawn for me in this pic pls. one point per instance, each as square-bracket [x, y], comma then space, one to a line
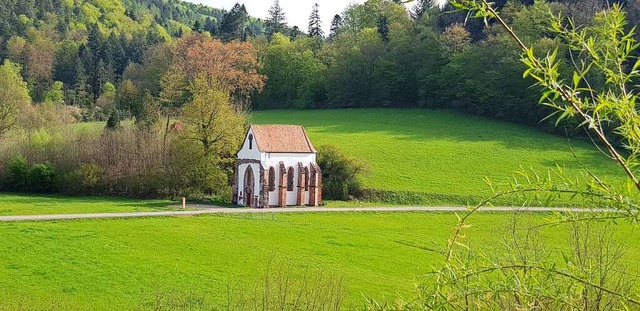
[125, 263]
[443, 153]
[16, 204]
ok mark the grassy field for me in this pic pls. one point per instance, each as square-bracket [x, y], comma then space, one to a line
[442, 153]
[126, 264]
[16, 204]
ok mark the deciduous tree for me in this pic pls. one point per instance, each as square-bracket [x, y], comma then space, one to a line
[14, 95]
[232, 66]
[211, 119]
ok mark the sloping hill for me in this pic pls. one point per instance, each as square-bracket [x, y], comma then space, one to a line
[66, 18]
[442, 154]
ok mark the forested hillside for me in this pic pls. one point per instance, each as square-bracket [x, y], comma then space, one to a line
[94, 54]
[74, 52]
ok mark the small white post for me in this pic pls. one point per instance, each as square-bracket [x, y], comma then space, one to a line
[184, 203]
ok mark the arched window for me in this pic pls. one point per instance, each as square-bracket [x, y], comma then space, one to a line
[250, 141]
[290, 176]
[306, 179]
[272, 179]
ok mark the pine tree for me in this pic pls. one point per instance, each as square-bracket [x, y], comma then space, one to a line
[113, 123]
[119, 58]
[315, 24]
[295, 33]
[418, 10]
[101, 76]
[336, 24]
[154, 37]
[233, 23]
[276, 22]
[94, 43]
[82, 96]
[383, 28]
[210, 26]
[196, 26]
[137, 46]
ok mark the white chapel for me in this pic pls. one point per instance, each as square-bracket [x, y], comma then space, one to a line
[277, 166]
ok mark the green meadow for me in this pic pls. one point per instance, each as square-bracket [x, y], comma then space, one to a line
[125, 264]
[16, 204]
[442, 154]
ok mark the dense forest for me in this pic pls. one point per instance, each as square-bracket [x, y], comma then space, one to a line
[75, 52]
[92, 54]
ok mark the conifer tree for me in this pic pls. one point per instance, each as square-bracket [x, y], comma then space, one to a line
[315, 24]
[336, 24]
[196, 26]
[82, 95]
[276, 22]
[233, 23]
[94, 43]
[383, 28]
[418, 10]
[210, 26]
[295, 33]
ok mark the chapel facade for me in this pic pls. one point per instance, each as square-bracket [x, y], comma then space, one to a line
[276, 167]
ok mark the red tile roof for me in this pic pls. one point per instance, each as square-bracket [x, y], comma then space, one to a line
[282, 139]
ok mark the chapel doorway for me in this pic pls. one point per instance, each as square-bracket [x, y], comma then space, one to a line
[249, 185]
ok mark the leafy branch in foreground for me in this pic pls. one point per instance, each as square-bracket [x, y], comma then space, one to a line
[522, 276]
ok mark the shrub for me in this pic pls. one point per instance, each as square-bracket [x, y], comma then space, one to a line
[41, 178]
[87, 179]
[339, 174]
[40, 139]
[113, 123]
[17, 170]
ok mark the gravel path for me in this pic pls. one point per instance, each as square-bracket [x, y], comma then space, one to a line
[202, 210]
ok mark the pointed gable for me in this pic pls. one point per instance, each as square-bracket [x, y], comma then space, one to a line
[282, 139]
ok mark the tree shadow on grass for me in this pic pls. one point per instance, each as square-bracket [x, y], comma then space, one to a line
[424, 125]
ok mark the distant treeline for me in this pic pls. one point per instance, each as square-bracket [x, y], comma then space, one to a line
[104, 56]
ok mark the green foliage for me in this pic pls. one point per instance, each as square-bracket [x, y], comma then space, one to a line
[55, 93]
[590, 276]
[276, 22]
[22, 177]
[211, 120]
[233, 26]
[41, 178]
[87, 179]
[149, 113]
[40, 139]
[296, 75]
[113, 123]
[315, 22]
[340, 179]
[14, 95]
[17, 170]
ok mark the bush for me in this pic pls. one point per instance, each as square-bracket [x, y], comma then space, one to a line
[87, 179]
[113, 123]
[41, 178]
[17, 170]
[339, 174]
